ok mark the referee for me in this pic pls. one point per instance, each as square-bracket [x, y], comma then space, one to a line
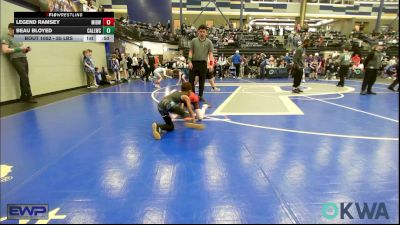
[372, 64]
[201, 49]
[298, 66]
[17, 55]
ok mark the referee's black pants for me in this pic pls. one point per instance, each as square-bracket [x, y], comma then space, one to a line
[297, 74]
[199, 69]
[343, 71]
[369, 79]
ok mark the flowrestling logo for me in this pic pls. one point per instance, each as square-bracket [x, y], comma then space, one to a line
[351, 210]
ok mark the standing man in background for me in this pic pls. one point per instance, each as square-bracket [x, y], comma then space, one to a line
[372, 64]
[152, 61]
[263, 66]
[17, 55]
[298, 66]
[396, 81]
[146, 65]
[201, 49]
[237, 60]
[130, 68]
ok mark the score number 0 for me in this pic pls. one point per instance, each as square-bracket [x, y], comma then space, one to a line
[108, 21]
[108, 25]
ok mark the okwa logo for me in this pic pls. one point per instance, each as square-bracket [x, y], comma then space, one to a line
[376, 210]
[5, 170]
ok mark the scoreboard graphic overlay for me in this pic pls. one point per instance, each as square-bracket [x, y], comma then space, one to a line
[64, 27]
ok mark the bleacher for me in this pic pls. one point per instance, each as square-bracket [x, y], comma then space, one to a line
[141, 32]
[244, 51]
[277, 52]
[247, 43]
[250, 51]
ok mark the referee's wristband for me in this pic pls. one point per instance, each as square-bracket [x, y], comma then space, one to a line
[17, 50]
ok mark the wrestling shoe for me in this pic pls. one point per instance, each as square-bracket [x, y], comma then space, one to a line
[156, 131]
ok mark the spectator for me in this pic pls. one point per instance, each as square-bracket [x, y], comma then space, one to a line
[115, 67]
[290, 40]
[17, 55]
[263, 65]
[287, 59]
[393, 61]
[330, 67]
[105, 78]
[146, 65]
[314, 68]
[254, 64]
[237, 59]
[135, 65]
[396, 81]
[97, 75]
[156, 61]
[152, 61]
[243, 64]
[129, 64]
[356, 60]
[271, 62]
[117, 52]
[321, 41]
[282, 64]
[89, 69]
[321, 66]
[124, 67]
[222, 66]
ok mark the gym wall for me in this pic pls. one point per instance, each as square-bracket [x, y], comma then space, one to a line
[167, 51]
[52, 66]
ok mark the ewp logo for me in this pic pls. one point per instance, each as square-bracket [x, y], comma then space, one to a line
[331, 211]
[27, 212]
